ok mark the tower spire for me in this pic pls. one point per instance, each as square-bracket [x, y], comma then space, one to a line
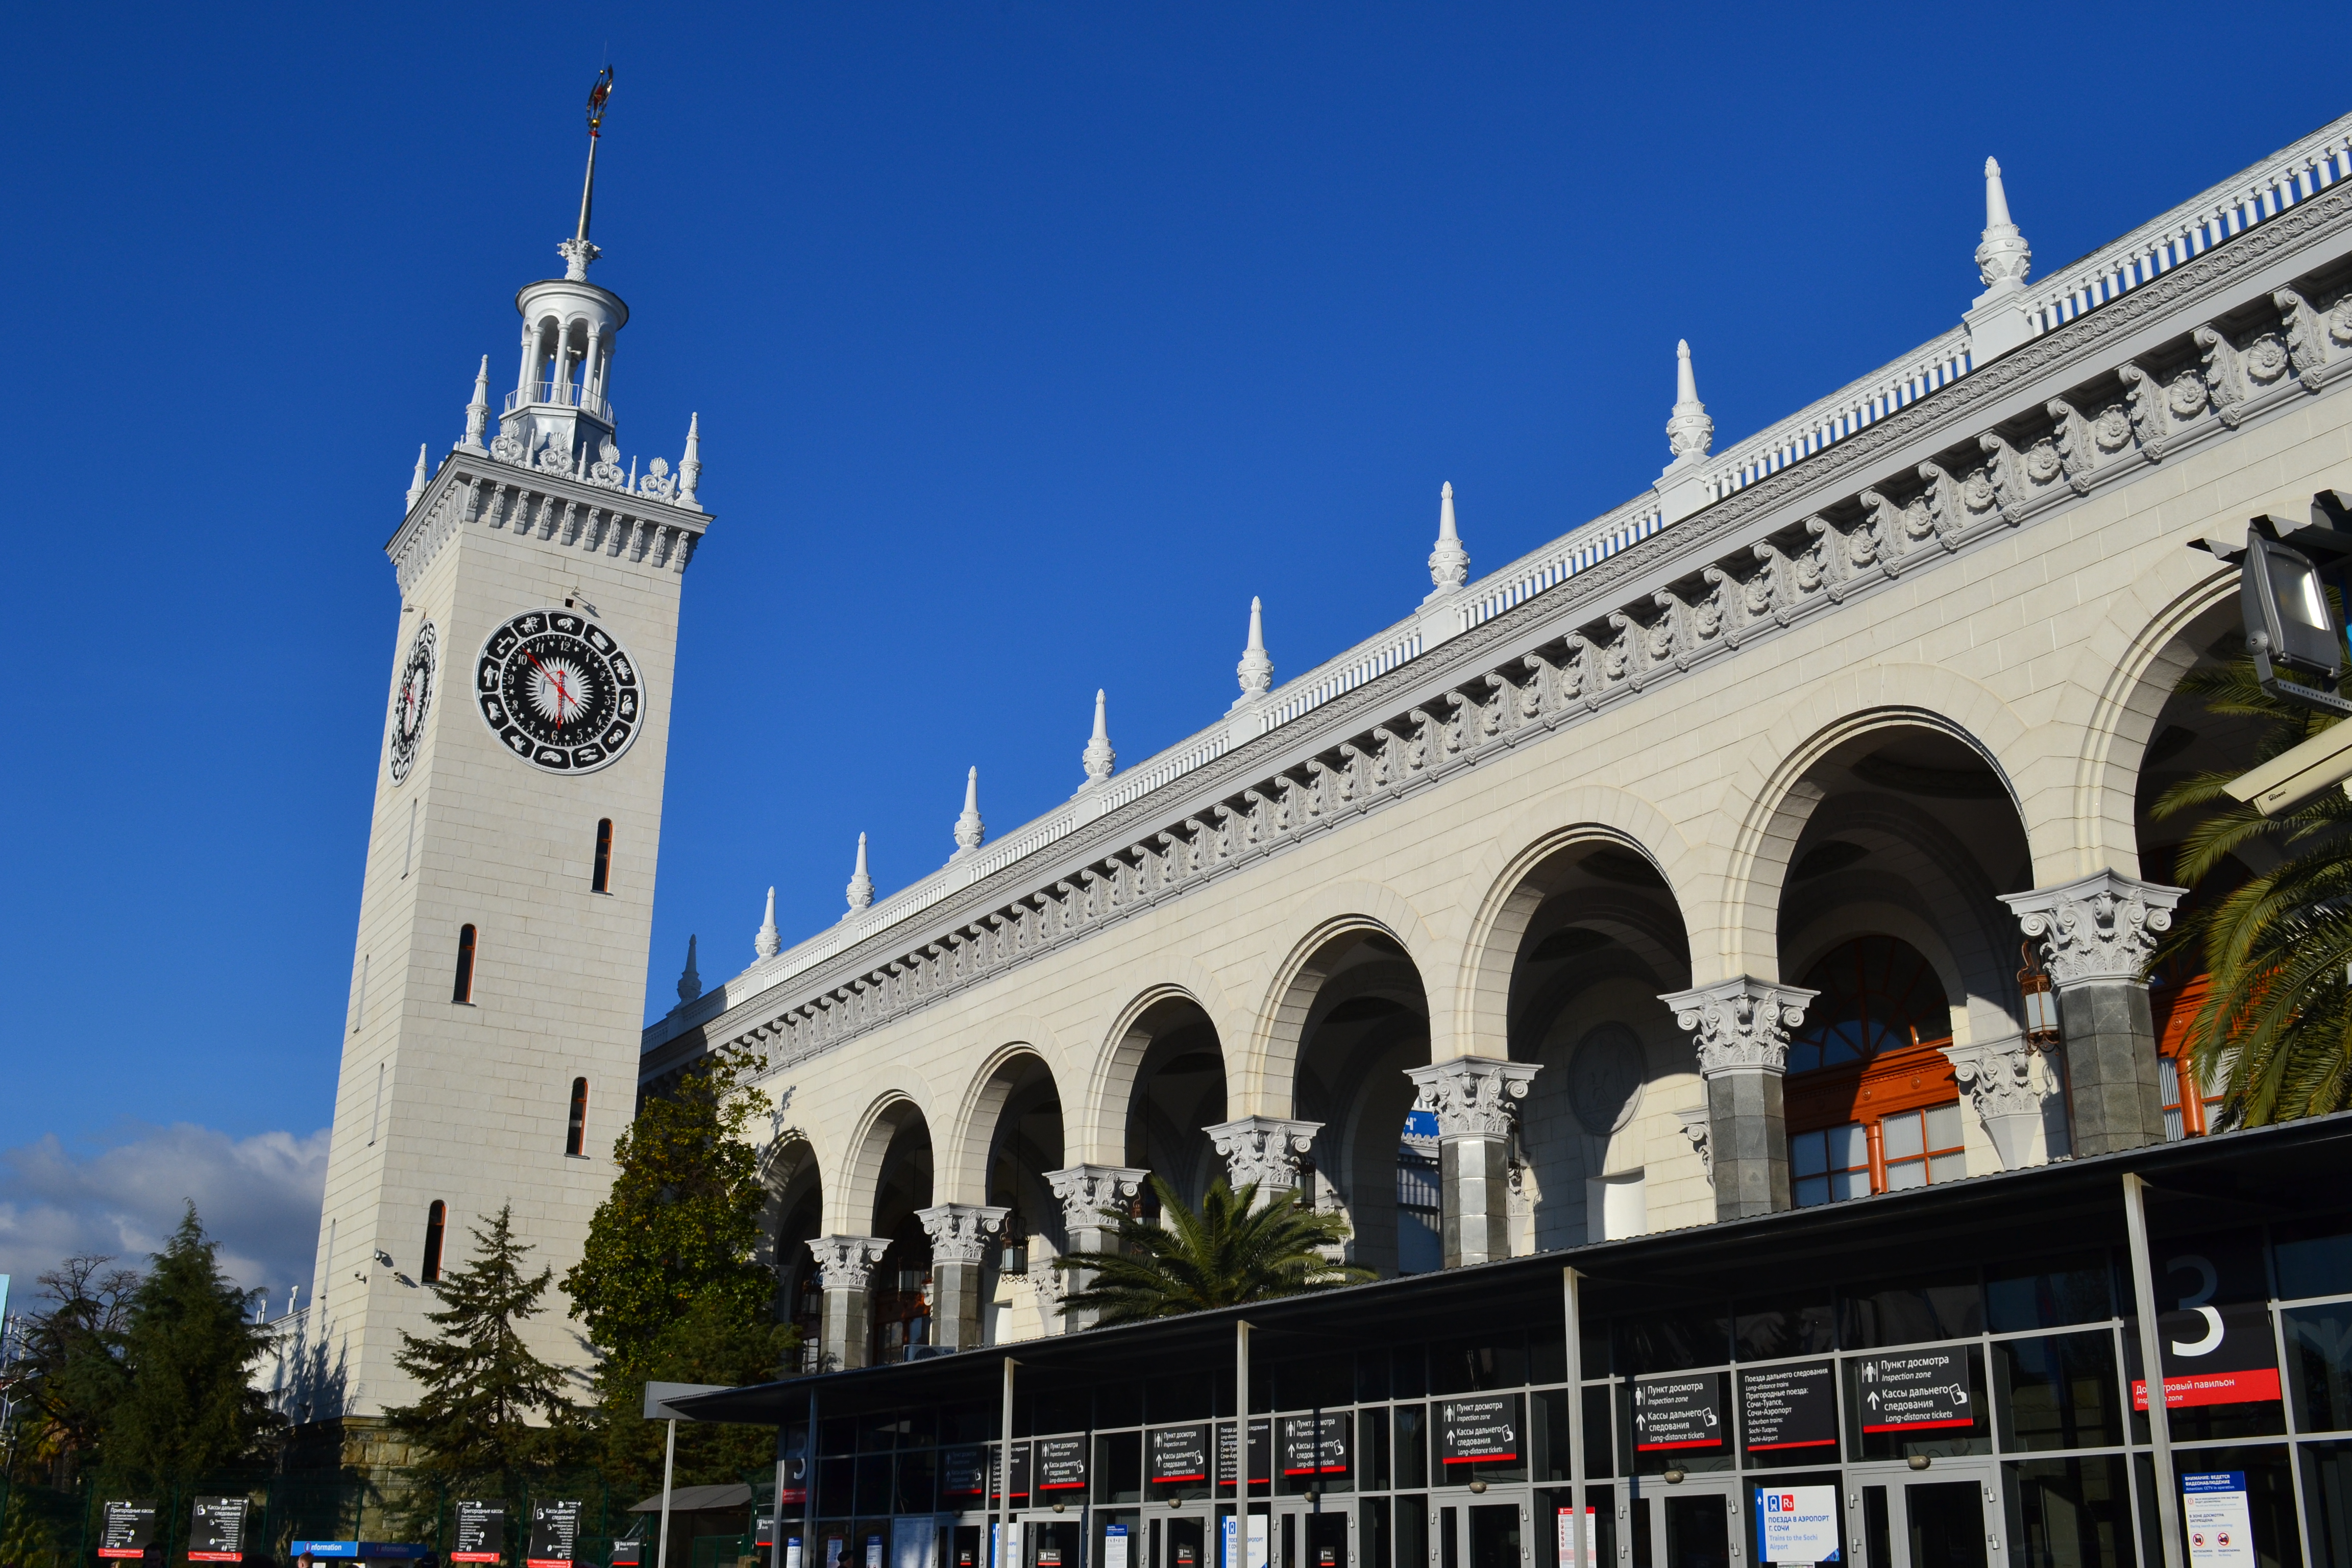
[1689, 432]
[577, 252]
[2004, 258]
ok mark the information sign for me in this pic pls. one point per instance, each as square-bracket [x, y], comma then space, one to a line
[1917, 1391]
[837, 1551]
[1314, 1445]
[1797, 1524]
[216, 1530]
[2215, 1355]
[481, 1531]
[1682, 1410]
[1229, 1536]
[1114, 1546]
[763, 1530]
[1020, 1467]
[128, 1528]
[628, 1553]
[1567, 1558]
[1788, 1406]
[1261, 1452]
[1258, 1541]
[873, 1551]
[1180, 1454]
[792, 1552]
[1061, 1464]
[2219, 1525]
[792, 1480]
[963, 1472]
[554, 1530]
[1469, 1430]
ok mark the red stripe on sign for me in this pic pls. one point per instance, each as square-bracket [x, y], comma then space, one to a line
[547, 1562]
[1685, 1443]
[120, 1552]
[2255, 1386]
[473, 1557]
[216, 1556]
[1195, 1475]
[1472, 1458]
[1807, 1443]
[1920, 1426]
[1047, 1486]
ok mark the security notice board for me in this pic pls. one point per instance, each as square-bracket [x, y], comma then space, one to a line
[1917, 1391]
[216, 1530]
[1679, 1410]
[1469, 1430]
[554, 1530]
[481, 1531]
[1792, 1407]
[128, 1529]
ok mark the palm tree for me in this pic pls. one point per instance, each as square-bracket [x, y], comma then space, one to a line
[2275, 1030]
[1231, 1251]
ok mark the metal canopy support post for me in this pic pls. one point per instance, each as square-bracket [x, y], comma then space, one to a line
[2151, 1368]
[808, 1490]
[1573, 1320]
[1241, 1445]
[997, 1545]
[670, 1462]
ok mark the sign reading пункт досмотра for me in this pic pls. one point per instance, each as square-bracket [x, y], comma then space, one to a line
[1469, 1430]
[1917, 1391]
[1061, 1464]
[1788, 1406]
[1680, 1410]
[1180, 1454]
[1313, 1445]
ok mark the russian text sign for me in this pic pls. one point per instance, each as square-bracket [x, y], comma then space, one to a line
[1314, 1445]
[128, 1529]
[554, 1530]
[1061, 1464]
[1469, 1430]
[2219, 1526]
[1917, 1391]
[1797, 1524]
[1788, 1406]
[216, 1530]
[1180, 1454]
[481, 1531]
[1678, 1411]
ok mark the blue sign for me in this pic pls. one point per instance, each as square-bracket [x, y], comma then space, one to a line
[373, 1550]
[2215, 1481]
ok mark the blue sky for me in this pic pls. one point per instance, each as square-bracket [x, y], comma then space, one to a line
[1029, 342]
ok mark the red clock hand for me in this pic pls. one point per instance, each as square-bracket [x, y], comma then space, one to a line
[563, 699]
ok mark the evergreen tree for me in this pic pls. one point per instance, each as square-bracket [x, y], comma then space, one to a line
[670, 1283]
[491, 1417]
[71, 1372]
[1228, 1252]
[187, 1405]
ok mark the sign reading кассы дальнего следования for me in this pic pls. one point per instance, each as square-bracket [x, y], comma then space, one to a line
[1469, 1430]
[1917, 1391]
[1678, 1410]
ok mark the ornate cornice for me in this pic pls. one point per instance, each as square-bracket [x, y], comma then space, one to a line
[558, 510]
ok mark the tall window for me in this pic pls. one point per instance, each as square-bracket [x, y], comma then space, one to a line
[436, 1218]
[576, 1139]
[463, 991]
[1872, 1106]
[603, 881]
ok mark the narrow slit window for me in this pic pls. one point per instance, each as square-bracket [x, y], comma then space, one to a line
[463, 991]
[603, 881]
[575, 1139]
[375, 1116]
[436, 1219]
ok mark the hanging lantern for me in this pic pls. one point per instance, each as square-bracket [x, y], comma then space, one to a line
[2040, 1001]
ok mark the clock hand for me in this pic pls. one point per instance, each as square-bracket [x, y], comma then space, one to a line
[563, 699]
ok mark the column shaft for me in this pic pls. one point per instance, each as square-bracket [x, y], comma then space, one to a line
[1747, 1137]
[2111, 1065]
[1473, 1176]
[956, 1321]
[848, 1327]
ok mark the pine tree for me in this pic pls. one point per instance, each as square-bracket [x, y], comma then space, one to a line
[187, 1405]
[70, 1374]
[491, 1415]
[1229, 1252]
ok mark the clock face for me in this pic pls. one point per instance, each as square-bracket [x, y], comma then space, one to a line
[559, 690]
[412, 700]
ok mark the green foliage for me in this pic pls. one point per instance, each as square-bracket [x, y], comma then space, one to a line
[682, 1223]
[1227, 1252]
[709, 1344]
[186, 1403]
[2274, 1032]
[70, 1376]
[492, 1414]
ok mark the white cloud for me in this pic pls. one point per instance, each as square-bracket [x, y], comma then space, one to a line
[122, 1194]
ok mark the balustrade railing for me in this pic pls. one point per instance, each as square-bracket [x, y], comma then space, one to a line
[562, 395]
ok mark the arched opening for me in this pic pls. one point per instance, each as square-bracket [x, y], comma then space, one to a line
[600, 880]
[575, 1136]
[1872, 1101]
[1018, 1130]
[1366, 1023]
[900, 1288]
[797, 1208]
[436, 1219]
[462, 989]
[1604, 1146]
[1179, 1089]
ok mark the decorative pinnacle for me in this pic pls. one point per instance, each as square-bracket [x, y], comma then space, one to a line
[690, 468]
[765, 942]
[968, 830]
[1689, 432]
[689, 983]
[418, 481]
[478, 413]
[1449, 564]
[577, 252]
[2004, 259]
[1255, 670]
[1098, 759]
[861, 886]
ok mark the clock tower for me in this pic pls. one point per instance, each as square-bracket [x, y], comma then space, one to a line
[489, 1053]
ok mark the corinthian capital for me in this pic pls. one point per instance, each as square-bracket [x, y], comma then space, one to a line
[1263, 1149]
[1472, 1096]
[958, 1231]
[1742, 1022]
[2101, 927]
[846, 1262]
[1086, 1191]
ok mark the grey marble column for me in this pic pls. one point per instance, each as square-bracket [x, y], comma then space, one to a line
[1264, 1150]
[1083, 1192]
[958, 1232]
[845, 1265]
[2095, 933]
[1740, 1029]
[1473, 1098]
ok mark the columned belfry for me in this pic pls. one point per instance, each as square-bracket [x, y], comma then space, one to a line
[497, 983]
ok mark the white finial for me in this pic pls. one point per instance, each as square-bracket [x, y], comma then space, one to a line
[1098, 759]
[968, 830]
[1689, 432]
[418, 481]
[766, 943]
[478, 413]
[689, 984]
[689, 469]
[1255, 670]
[2004, 259]
[1449, 564]
[861, 886]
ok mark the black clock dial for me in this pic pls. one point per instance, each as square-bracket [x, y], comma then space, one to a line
[412, 699]
[559, 690]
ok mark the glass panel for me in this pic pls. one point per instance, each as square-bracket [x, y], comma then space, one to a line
[1904, 1177]
[1846, 1184]
[2070, 1514]
[1947, 1167]
[2327, 1499]
[1412, 1446]
[1493, 1536]
[1698, 1532]
[2313, 1259]
[1879, 1540]
[1944, 1126]
[1849, 1146]
[1945, 1520]
[2055, 1292]
[1945, 1307]
[2058, 1392]
[1412, 1531]
[1901, 1135]
[1373, 1524]
[1768, 1328]
[1808, 1154]
[1811, 1190]
[2319, 1366]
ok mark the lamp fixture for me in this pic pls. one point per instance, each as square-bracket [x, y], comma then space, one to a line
[1920, 1461]
[1477, 1484]
[1676, 1475]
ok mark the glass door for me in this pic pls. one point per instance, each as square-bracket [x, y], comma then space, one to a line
[1946, 1517]
[1696, 1523]
[1497, 1535]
